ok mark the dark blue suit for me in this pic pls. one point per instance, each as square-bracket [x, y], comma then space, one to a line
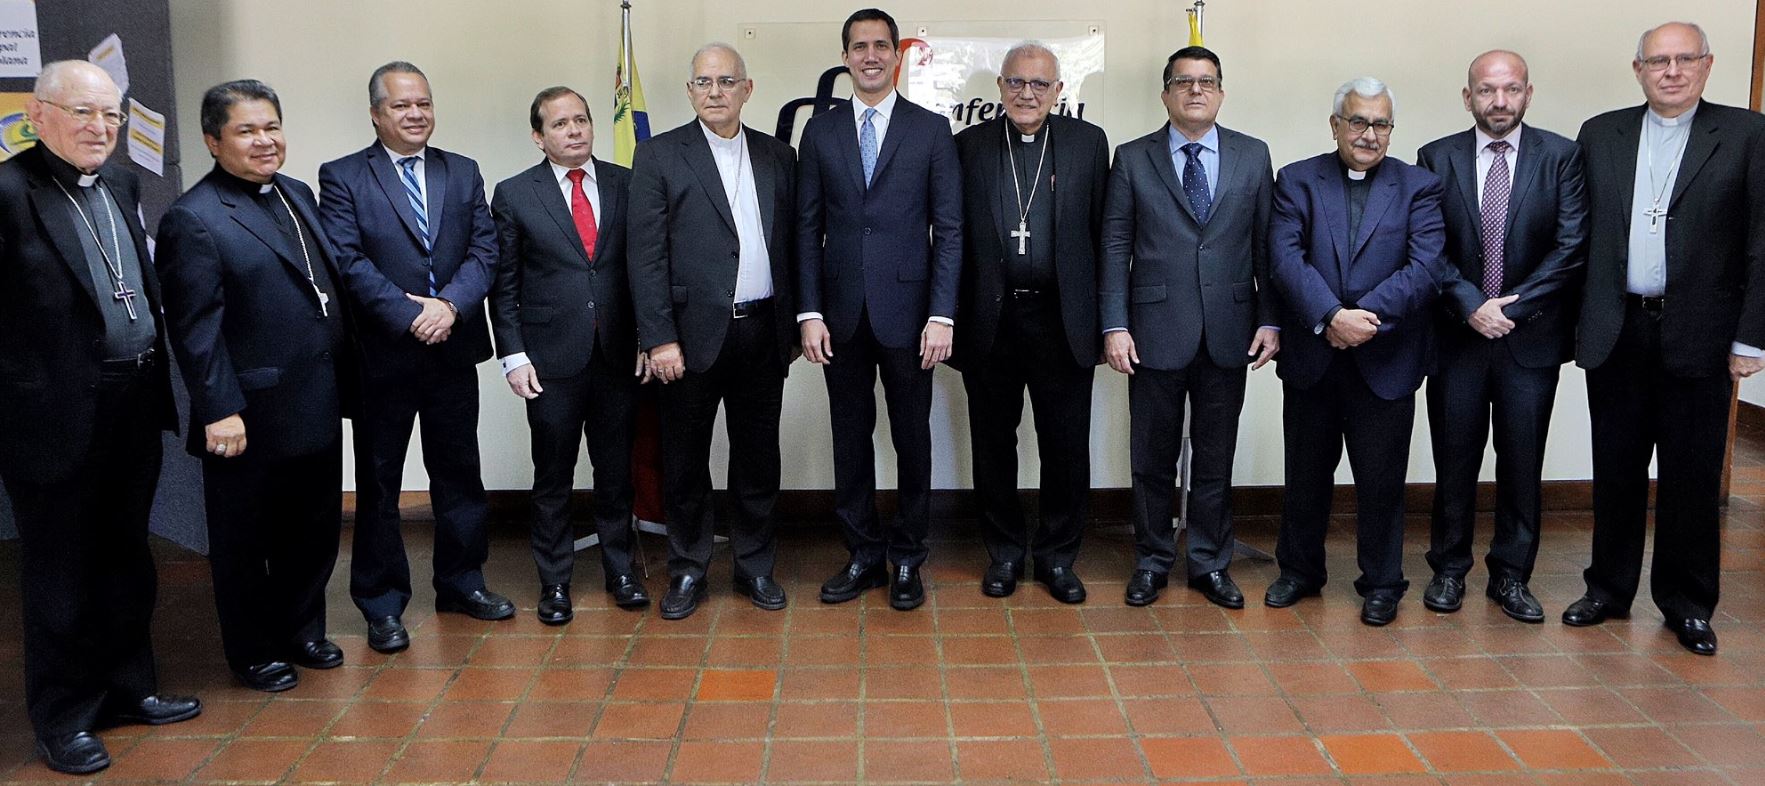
[876, 262]
[1364, 396]
[370, 220]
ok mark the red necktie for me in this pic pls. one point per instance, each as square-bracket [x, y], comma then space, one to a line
[582, 213]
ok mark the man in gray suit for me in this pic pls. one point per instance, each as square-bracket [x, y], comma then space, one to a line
[1184, 257]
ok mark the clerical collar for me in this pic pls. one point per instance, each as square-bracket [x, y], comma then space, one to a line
[1684, 118]
[1362, 175]
[241, 184]
[1028, 139]
[61, 170]
[718, 141]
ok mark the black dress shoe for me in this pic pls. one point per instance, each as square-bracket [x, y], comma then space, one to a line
[627, 592]
[387, 635]
[1591, 611]
[272, 677]
[1379, 609]
[153, 710]
[762, 591]
[906, 591]
[1445, 594]
[555, 607]
[480, 604]
[1287, 591]
[1001, 579]
[1062, 583]
[321, 654]
[684, 594]
[1695, 635]
[1143, 587]
[1515, 599]
[78, 753]
[852, 581]
[1219, 588]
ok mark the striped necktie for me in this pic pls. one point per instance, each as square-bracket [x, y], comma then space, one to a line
[408, 175]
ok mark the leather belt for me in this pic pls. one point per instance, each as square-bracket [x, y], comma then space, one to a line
[748, 308]
[1648, 303]
[1028, 294]
[133, 365]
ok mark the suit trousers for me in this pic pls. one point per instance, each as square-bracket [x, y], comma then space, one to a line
[1031, 352]
[1478, 384]
[1639, 409]
[748, 379]
[86, 574]
[597, 404]
[1318, 420]
[443, 400]
[273, 529]
[1156, 400]
[851, 395]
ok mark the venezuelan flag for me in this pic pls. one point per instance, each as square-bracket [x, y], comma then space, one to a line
[631, 118]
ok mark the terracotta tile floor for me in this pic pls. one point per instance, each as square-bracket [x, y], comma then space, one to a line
[973, 689]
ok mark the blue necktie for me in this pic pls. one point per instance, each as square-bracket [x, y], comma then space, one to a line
[1195, 182]
[414, 192]
[867, 145]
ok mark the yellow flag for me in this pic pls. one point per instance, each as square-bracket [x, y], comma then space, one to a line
[1195, 27]
[631, 119]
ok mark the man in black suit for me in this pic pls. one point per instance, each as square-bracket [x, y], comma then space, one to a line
[711, 238]
[1516, 227]
[1028, 306]
[1672, 318]
[561, 311]
[252, 296]
[879, 240]
[86, 392]
[1184, 310]
[417, 247]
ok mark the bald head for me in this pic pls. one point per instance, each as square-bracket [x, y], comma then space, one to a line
[77, 112]
[1498, 88]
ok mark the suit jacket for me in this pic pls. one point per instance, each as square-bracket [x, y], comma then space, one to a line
[1543, 253]
[244, 320]
[1391, 268]
[1081, 160]
[1715, 238]
[863, 248]
[684, 251]
[1173, 281]
[51, 331]
[370, 222]
[548, 300]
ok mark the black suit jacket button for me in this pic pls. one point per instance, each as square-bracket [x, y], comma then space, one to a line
[324, 356]
[867, 230]
[735, 255]
[591, 304]
[729, 293]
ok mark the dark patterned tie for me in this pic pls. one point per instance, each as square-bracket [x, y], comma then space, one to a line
[1195, 182]
[1496, 188]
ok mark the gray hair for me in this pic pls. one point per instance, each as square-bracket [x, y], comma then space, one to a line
[741, 63]
[55, 76]
[1031, 48]
[377, 89]
[1703, 38]
[1365, 87]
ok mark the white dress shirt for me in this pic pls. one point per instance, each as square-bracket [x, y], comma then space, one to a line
[735, 166]
[593, 191]
[1486, 158]
[398, 170]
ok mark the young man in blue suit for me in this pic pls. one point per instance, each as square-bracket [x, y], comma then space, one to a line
[1356, 247]
[417, 248]
[879, 242]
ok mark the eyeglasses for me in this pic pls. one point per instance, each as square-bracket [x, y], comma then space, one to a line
[1358, 125]
[703, 84]
[1660, 62]
[1208, 84]
[85, 114]
[1016, 84]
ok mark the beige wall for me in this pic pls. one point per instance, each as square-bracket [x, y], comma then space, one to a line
[1283, 59]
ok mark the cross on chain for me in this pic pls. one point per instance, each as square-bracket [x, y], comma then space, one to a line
[126, 294]
[1022, 233]
[1655, 213]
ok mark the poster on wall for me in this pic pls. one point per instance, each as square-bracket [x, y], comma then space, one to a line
[20, 55]
[16, 132]
[955, 76]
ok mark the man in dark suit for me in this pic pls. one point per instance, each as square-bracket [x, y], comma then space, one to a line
[879, 234]
[1515, 211]
[711, 238]
[1672, 318]
[252, 296]
[1184, 312]
[1356, 245]
[86, 392]
[1028, 306]
[417, 247]
[561, 311]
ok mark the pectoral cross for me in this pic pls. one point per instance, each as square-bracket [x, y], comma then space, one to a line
[1655, 213]
[1022, 233]
[126, 295]
[324, 301]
